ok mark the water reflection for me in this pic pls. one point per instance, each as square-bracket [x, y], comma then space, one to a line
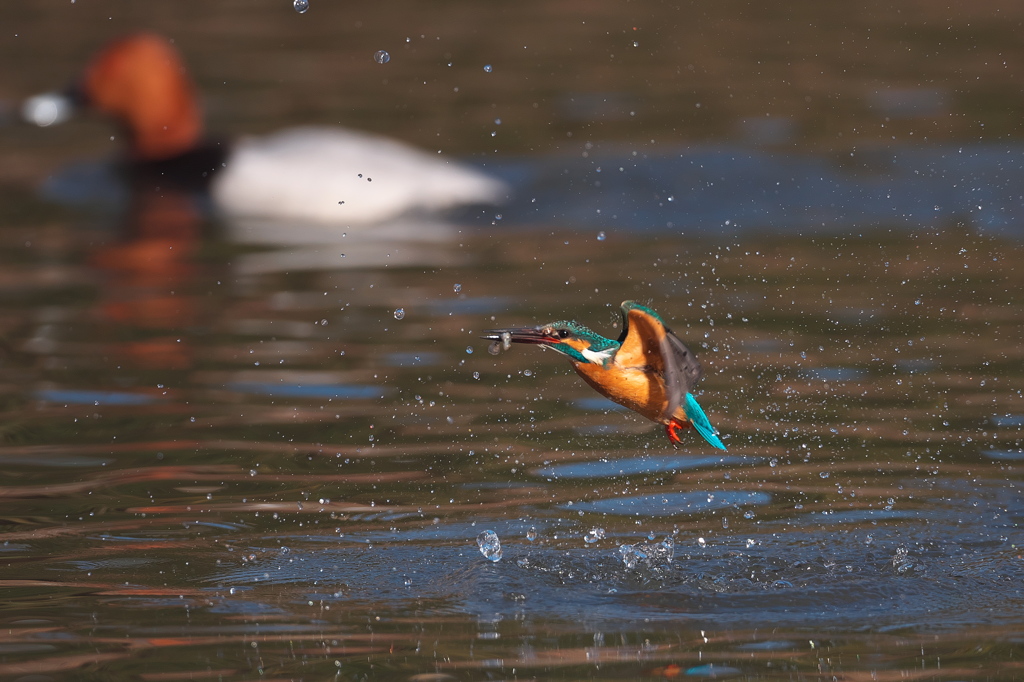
[671, 504]
[736, 190]
[223, 455]
[640, 465]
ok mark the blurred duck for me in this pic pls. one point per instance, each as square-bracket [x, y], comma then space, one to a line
[311, 174]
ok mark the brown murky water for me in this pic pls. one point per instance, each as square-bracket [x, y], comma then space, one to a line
[256, 460]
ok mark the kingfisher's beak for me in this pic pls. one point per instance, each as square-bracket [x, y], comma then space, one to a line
[506, 337]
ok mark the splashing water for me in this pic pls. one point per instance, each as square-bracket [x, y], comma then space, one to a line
[593, 535]
[901, 561]
[490, 545]
[648, 554]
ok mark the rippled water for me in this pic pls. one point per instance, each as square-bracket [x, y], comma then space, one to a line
[245, 451]
[274, 474]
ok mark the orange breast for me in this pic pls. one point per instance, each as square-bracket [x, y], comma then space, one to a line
[641, 392]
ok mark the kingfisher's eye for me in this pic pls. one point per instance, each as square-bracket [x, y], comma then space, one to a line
[562, 333]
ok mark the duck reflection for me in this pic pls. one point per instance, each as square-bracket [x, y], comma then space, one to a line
[147, 279]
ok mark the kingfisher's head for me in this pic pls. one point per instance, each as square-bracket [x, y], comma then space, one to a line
[568, 337]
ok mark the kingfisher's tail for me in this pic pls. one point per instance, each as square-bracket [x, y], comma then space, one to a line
[695, 413]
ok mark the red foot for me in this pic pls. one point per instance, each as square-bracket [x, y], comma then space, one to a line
[674, 427]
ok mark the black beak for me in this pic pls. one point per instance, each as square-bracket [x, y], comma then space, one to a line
[506, 337]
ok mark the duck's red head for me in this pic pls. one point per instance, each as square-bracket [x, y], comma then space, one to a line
[141, 82]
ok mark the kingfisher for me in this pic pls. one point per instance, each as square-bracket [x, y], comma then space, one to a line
[647, 369]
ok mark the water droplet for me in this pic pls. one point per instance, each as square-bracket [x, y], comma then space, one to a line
[494, 348]
[527, 372]
[702, 542]
[399, 313]
[457, 288]
[301, 6]
[649, 555]
[531, 534]
[380, 56]
[488, 68]
[469, 350]
[824, 474]
[490, 545]
[593, 535]
[601, 236]
[476, 375]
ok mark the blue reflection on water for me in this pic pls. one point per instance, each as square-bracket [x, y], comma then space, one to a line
[65, 395]
[670, 504]
[737, 189]
[351, 391]
[598, 405]
[1010, 455]
[860, 515]
[1008, 420]
[713, 671]
[637, 465]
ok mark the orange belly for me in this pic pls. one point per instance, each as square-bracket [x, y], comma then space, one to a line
[641, 392]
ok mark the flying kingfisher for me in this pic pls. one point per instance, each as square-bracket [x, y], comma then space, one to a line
[647, 369]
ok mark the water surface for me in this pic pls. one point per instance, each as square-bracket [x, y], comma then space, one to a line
[233, 460]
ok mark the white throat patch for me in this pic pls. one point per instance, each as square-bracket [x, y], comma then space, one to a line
[598, 358]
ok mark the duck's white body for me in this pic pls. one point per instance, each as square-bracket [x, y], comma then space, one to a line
[342, 177]
[316, 175]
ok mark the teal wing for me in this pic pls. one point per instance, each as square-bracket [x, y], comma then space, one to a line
[695, 413]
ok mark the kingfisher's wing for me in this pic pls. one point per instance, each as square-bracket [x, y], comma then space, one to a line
[646, 341]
